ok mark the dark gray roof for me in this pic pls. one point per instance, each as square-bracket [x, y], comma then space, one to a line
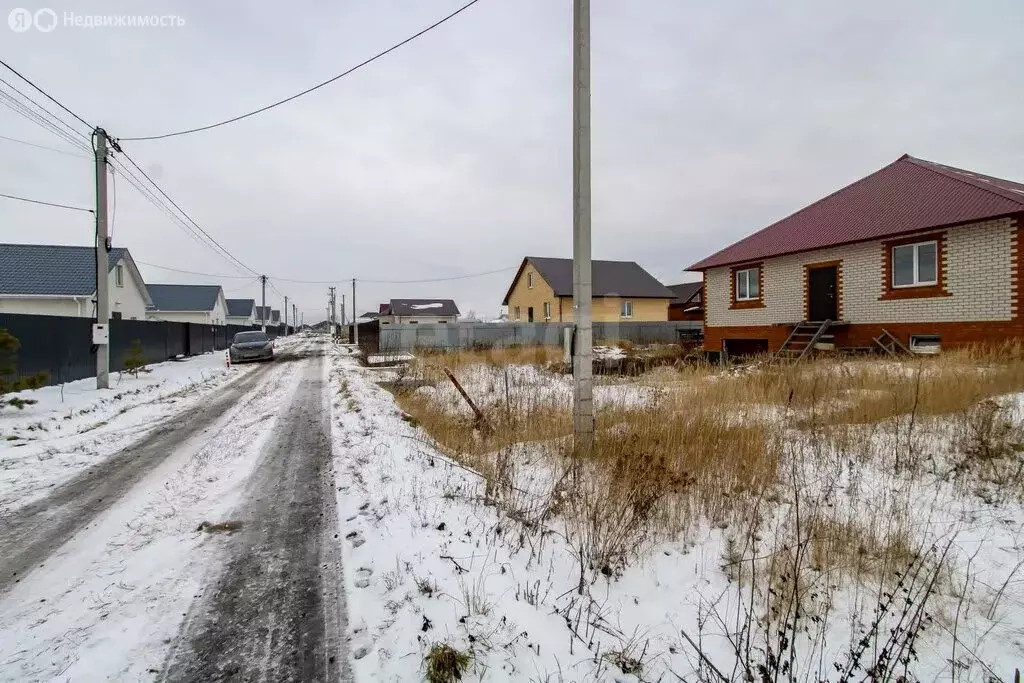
[260, 313]
[275, 315]
[240, 307]
[370, 315]
[685, 291]
[184, 297]
[431, 307]
[51, 270]
[610, 278]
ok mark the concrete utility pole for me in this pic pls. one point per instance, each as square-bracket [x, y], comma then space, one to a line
[263, 309]
[101, 336]
[582, 289]
[286, 316]
[355, 316]
[295, 317]
[344, 311]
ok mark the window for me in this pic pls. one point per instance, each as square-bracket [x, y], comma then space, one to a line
[517, 313]
[915, 265]
[443, 322]
[627, 309]
[547, 310]
[414, 322]
[925, 343]
[529, 280]
[118, 276]
[115, 315]
[748, 284]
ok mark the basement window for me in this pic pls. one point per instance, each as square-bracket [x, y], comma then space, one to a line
[925, 343]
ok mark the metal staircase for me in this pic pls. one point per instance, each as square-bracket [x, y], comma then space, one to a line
[890, 344]
[802, 339]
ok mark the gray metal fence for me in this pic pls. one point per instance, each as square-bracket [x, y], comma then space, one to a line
[404, 338]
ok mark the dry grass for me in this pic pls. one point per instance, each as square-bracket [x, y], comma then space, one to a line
[708, 451]
[430, 365]
[445, 664]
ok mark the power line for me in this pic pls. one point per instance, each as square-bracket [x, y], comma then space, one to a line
[185, 214]
[315, 87]
[37, 146]
[399, 282]
[47, 95]
[75, 138]
[192, 272]
[39, 201]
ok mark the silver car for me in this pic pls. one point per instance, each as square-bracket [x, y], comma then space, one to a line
[251, 346]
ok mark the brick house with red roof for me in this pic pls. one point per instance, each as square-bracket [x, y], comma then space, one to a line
[927, 252]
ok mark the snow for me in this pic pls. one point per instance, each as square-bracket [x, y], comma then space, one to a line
[421, 307]
[428, 560]
[106, 603]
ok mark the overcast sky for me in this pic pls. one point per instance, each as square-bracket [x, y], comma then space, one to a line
[453, 154]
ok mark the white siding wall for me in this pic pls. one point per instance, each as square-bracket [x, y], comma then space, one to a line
[200, 317]
[979, 266]
[65, 307]
[127, 299]
[241, 320]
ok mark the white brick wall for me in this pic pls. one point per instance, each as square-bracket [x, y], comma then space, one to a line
[978, 276]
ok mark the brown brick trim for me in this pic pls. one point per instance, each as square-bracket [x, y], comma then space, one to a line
[953, 334]
[1016, 272]
[752, 303]
[839, 286]
[890, 293]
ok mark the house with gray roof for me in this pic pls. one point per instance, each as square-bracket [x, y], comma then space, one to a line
[241, 311]
[541, 291]
[204, 304]
[418, 311]
[47, 279]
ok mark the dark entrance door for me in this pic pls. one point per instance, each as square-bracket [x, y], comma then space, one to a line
[822, 293]
[529, 314]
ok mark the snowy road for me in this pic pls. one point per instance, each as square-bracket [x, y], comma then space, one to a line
[107, 577]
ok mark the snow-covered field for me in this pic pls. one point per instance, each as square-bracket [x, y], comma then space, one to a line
[434, 554]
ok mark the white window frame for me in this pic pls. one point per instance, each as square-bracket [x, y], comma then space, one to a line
[626, 309]
[119, 275]
[529, 280]
[756, 270]
[925, 343]
[917, 282]
[547, 310]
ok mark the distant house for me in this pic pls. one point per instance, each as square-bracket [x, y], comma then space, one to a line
[622, 291]
[241, 311]
[371, 315]
[41, 279]
[275, 316]
[924, 252]
[262, 314]
[418, 311]
[689, 301]
[188, 304]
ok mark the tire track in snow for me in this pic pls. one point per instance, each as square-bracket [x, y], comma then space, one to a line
[276, 613]
[33, 532]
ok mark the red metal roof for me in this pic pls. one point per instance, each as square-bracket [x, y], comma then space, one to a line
[907, 195]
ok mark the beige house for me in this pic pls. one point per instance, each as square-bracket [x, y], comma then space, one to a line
[623, 291]
[204, 304]
[918, 251]
[43, 279]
